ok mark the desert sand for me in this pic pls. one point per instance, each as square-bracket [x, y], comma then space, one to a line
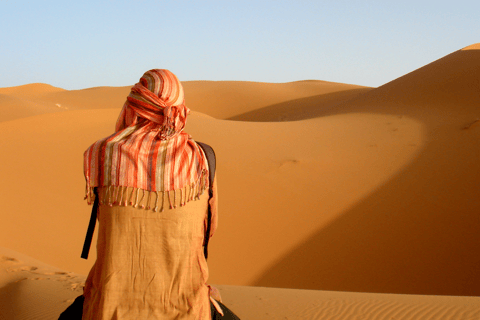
[337, 201]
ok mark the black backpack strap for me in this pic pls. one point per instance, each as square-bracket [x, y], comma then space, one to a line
[210, 154]
[91, 227]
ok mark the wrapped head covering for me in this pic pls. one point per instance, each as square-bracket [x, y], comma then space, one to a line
[149, 152]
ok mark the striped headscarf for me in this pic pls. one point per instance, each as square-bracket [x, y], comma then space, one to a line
[149, 155]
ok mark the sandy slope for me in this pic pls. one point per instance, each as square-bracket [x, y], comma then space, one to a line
[23, 101]
[375, 190]
[38, 98]
[30, 289]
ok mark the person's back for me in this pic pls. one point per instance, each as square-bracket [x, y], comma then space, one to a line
[150, 261]
[150, 265]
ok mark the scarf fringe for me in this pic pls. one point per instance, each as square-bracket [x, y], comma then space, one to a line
[148, 200]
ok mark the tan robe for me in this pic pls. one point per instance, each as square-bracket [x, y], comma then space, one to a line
[151, 265]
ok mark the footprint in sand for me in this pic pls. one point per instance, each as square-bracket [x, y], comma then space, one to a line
[76, 285]
[61, 279]
[57, 273]
[24, 268]
[8, 259]
[28, 268]
[21, 280]
[69, 278]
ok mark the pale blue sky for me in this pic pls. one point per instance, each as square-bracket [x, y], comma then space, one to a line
[82, 44]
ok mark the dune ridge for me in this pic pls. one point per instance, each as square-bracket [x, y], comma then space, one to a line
[300, 109]
[241, 100]
[449, 82]
[31, 89]
[475, 46]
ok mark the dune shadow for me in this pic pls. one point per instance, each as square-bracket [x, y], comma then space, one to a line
[419, 232]
[11, 301]
[299, 109]
[34, 299]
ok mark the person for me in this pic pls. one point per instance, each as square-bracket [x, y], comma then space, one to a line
[150, 262]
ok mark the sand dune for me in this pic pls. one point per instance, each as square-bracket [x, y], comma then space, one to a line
[37, 98]
[418, 232]
[449, 84]
[300, 109]
[30, 90]
[23, 101]
[370, 190]
[240, 100]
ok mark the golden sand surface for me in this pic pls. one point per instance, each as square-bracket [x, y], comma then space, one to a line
[322, 186]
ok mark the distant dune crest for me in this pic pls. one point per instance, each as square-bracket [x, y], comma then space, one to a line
[475, 46]
[32, 88]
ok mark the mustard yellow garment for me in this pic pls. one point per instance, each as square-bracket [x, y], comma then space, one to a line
[150, 265]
